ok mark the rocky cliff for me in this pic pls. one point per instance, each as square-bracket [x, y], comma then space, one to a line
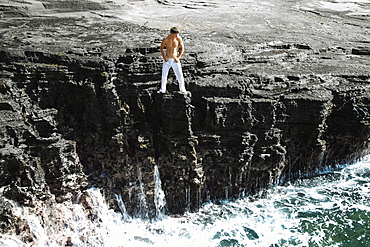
[79, 108]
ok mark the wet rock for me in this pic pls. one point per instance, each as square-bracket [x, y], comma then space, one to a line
[79, 107]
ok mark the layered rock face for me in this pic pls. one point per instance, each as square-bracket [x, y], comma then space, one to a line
[79, 108]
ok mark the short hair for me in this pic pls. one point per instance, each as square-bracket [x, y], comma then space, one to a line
[174, 30]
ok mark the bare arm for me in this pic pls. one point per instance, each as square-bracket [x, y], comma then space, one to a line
[181, 49]
[163, 44]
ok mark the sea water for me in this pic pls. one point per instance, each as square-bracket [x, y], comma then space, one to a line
[332, 209]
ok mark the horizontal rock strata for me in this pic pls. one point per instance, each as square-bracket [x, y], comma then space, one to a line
[79, 108]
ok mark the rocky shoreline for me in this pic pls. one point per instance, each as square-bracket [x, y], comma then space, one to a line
[79, 107]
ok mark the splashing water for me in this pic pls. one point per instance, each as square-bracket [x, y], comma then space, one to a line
[159, 197]
[328, 210]
[144, 210]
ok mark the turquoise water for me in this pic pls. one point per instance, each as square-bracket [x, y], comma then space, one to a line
[332, 209]
[328, 210]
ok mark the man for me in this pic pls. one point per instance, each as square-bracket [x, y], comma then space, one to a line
[171, 58]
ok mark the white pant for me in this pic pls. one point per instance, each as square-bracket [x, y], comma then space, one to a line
[178, 72]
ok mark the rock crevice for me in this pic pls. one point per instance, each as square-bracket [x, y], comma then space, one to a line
[256, 115]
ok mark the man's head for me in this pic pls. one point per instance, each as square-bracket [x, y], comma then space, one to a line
[174, 30]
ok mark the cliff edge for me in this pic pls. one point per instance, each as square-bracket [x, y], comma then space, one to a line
[277, 91]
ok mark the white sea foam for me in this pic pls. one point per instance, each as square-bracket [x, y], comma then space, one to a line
[321, 211]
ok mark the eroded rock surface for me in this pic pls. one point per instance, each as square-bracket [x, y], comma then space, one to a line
[277, 90]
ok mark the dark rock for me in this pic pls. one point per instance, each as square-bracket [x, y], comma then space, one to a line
[361, 51]
[79, 108]
[5, 107]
